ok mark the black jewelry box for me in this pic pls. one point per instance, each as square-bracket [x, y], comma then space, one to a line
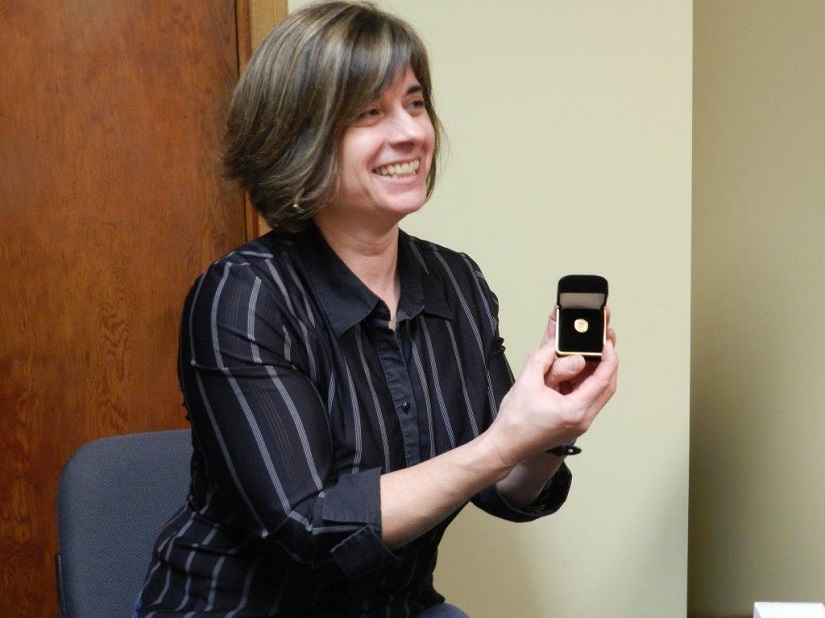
[581, 318]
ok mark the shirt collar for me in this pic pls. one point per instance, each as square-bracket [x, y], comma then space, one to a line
[421, 289]
[344, 297]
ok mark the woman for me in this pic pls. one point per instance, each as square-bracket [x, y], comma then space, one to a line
[346, 383]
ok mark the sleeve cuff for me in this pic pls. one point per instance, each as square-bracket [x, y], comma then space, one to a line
[355, 501]
[550, 500]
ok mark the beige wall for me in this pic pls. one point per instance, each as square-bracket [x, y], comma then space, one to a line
[570, 151]
[757, 516]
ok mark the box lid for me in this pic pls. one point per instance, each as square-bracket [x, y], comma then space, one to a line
[582, 292]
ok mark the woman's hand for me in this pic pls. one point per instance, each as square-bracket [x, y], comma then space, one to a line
[567, 371]
[554, 400]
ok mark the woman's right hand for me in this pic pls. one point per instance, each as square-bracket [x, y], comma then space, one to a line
[554, 400]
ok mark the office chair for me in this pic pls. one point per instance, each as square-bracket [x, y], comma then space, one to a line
[114, 496]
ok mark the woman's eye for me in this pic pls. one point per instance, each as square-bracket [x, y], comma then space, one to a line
[418, 104]
[368, 114]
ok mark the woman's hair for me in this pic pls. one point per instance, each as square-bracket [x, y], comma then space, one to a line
[305, 84]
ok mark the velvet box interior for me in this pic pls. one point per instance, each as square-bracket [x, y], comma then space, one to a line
[581, 325]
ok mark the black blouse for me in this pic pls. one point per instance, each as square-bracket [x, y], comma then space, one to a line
[300, 396]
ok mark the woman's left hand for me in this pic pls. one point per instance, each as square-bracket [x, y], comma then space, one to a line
[567, 372]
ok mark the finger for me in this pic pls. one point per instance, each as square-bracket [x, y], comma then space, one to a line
[607, 375]
[539, 362]
[550, 331]
[611, 334]
[597, 389]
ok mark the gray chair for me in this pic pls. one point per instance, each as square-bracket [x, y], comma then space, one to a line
[114, 496]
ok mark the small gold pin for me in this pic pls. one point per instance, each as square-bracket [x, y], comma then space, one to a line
[581, 325]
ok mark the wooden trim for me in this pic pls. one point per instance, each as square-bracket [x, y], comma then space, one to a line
[254, 19]
[243, 21]
[264, 14]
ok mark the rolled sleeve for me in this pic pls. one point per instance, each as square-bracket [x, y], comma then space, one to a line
[355, 501]
[550, 500]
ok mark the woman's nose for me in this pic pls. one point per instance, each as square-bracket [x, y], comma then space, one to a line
[404, 127]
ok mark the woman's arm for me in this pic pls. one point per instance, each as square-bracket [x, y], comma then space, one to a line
[263, 433]
[533, 417]
[529, 477]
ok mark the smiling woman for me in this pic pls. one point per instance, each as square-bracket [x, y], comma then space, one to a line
[346, 382]
[290, 169]
[385, 159]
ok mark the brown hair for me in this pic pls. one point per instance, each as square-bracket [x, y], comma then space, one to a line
[304, 85]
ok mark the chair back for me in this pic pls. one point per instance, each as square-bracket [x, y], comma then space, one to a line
[114, 496]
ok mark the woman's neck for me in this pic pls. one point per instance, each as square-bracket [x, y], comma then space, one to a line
[371, 256]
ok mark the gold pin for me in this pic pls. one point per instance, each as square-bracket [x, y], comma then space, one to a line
[581, 325]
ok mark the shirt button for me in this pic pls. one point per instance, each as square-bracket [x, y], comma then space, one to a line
[405, 406]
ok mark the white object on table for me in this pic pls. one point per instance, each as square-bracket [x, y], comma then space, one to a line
[788, 610]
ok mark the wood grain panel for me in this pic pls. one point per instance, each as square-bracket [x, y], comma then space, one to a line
[255, 19]
[111, 114]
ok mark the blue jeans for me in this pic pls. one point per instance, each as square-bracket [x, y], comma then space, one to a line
[443, 610]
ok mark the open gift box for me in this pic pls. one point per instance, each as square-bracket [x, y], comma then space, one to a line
[581, 317]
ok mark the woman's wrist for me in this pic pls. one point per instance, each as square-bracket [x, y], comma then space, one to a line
[525, 481]
[491, 453]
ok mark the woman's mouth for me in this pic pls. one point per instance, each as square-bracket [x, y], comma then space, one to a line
[399, 170]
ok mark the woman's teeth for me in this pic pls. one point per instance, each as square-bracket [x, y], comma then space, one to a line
[399, 169]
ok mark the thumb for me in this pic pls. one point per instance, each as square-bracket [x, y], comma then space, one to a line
[565, 368]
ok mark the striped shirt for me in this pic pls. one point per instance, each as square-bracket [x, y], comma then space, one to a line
[300, 396]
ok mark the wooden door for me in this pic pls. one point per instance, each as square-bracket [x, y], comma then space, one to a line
[111, 202]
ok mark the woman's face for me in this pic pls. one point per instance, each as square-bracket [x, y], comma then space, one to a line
[386, 156]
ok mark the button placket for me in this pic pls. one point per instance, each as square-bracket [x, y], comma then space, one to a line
[396, 372]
